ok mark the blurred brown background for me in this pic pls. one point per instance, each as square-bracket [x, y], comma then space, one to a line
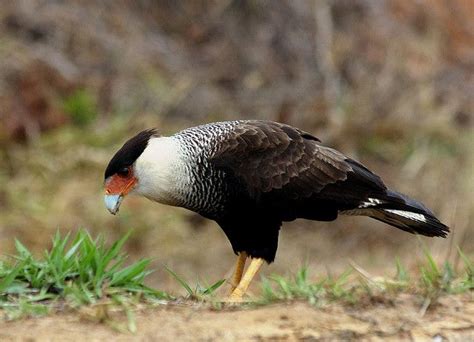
[390, 83]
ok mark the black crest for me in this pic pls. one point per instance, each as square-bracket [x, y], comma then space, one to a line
[129, 152]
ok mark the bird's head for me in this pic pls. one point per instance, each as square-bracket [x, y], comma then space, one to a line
[121, 175]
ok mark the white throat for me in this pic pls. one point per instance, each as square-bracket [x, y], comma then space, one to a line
[159, 171]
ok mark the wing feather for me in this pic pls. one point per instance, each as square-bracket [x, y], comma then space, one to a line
[266, 156]
[287, 171]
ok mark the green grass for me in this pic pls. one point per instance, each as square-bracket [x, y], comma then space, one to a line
[75, 271]
[199, 292]
[429, 282]
[82, 272]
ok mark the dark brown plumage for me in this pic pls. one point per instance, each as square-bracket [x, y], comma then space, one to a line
[283, 173]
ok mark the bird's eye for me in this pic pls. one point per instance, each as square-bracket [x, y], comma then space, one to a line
[124, 172]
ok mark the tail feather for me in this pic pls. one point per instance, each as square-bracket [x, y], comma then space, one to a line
[402, 212]
[409, 221]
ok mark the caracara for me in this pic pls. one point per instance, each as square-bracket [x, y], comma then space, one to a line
[250, 176]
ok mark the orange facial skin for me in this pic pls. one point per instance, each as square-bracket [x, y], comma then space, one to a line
[120, 184]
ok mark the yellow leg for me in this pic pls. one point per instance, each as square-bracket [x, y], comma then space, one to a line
[239, 270]
[240, 290]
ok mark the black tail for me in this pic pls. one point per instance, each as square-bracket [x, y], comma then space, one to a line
[404, 213]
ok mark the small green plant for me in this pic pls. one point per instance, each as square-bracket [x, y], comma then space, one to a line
[467, 283]
[78, 271]
[402, 273]
[81, 106]
[337, 288]
[199, 292]
[296, 287]
[435, 279]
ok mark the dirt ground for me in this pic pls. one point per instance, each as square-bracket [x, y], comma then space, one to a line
[401, 318]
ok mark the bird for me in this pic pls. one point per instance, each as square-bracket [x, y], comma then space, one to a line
[250, 176]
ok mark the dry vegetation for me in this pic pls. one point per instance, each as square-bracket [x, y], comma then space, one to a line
[388, 82]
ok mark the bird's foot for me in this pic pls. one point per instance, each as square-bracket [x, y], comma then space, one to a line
[233, 300]
[236, 297]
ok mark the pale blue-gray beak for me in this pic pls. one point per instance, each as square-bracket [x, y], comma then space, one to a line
[112, 202]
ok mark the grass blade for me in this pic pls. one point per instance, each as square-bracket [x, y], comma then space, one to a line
[182, 282]
[213, 287]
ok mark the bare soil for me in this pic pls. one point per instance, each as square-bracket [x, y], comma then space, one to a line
[400, 318]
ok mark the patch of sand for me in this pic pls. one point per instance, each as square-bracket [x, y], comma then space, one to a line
[399, 318]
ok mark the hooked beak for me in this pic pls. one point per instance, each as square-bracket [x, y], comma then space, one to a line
[112, 202]
[116, 188]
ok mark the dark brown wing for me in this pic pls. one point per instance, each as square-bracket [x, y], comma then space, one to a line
[283, 173]
[272, 157]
